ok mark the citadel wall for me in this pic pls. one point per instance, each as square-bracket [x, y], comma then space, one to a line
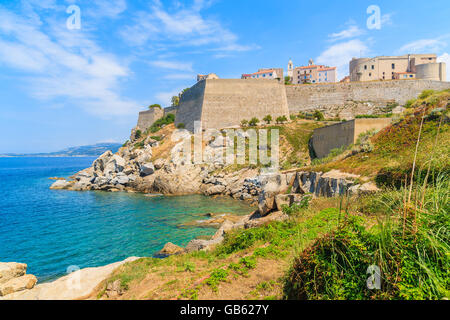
[346, 100]
[222, 103]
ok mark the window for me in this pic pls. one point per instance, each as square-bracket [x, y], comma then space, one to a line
[373, 67]
[365, 67]
[393, 66]
[370, 74]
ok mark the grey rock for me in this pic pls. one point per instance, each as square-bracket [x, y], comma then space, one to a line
[147, 169]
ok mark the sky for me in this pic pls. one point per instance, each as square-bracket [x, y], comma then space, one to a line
[78, 72]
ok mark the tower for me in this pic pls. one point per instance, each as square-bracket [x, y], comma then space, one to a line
[290, 69]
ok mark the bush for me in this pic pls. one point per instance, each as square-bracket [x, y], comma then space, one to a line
[426, 93]
[253, 122]
[155, 106]
[218, 275]
[318, 115]
[138, 134]
[409, 103]
[157, 138]
[157, 125]
[181, 126]
[268, 119]
[373, 116]
[412, 253]
[244, 123]
[281, 119]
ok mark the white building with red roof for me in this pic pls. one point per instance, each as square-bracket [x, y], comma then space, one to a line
[313, 73]
[270, 74]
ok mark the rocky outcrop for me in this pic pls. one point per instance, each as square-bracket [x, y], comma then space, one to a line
[13, 278]
[249, 221]
[76, 285]
[169, 249]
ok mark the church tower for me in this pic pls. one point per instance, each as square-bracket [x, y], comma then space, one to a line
[290, 69]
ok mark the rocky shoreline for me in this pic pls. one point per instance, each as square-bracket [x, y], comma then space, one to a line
[74, 286]
[154, 166]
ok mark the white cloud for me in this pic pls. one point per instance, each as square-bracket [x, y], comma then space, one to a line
[108, 8]
[180, 76]
[340, 54]
[445, 58]
[182, 26]
[351, 32]
[172, 65]
[59, 63]
[424, 46]
[386, 19]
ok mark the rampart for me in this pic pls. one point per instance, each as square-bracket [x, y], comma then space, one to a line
[147, 118]
[222, 103]
[346, 100]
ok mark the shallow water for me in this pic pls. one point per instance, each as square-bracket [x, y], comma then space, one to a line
[51, 230]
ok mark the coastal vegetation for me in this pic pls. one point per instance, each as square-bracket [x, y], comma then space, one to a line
[328, 248]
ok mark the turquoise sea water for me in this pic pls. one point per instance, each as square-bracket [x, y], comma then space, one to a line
[51, 230]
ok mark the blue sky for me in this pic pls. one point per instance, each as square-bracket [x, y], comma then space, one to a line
[62, 87]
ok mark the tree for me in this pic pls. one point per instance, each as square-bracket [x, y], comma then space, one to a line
[155, 106]
[281, 119]
[268, 119]
[175, 101]
[244, 123]
[253, 122]
[287, 80]
[318, 115]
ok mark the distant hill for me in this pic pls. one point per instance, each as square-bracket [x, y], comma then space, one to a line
[83, 151]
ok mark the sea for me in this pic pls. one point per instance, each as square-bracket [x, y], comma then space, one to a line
[57, 231]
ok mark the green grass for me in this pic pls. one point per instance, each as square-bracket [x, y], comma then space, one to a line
[412, 251]
[217, 276]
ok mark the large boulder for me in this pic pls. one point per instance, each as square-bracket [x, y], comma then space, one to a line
[60, 184]
[18, 284]
[170, 249]
[214, 190]
[147, 169]
[115, 164]
[266, 203]
[178, 180]
[256, 220]
[10, 270]
[287, 199]
[100, 163]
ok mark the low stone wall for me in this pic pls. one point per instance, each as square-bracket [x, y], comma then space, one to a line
[147, 118]
[343, 134]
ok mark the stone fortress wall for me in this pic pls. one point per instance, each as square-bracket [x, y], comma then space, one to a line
[345, 100]
[148, 117]
[343, 134]
[222, 103]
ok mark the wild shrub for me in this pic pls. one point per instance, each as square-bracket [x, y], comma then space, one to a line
[217, 276]
[318, 115]
[410, 245]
